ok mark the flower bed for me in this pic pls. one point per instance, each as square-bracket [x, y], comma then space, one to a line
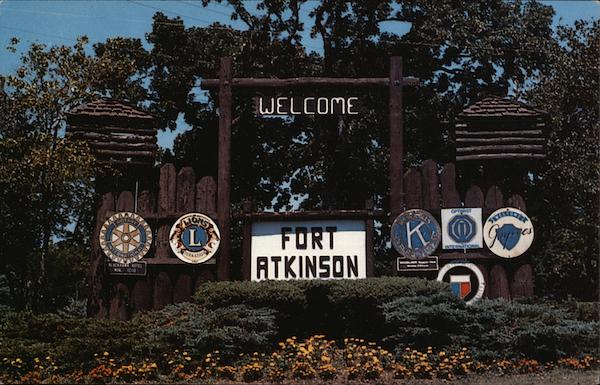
[315, 358]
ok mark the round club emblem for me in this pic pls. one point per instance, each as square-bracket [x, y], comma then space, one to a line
[465, 279]
[194, 238]
[125, 237]
[415, 234]
[508, 232]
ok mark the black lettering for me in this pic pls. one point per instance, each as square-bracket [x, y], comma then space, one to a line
[301, 231]
[300, 271]
[311, 267]
[317, 237]
[276, 259]
[338, 266]
[352, 262]
[331, 230]
[289, 272]
[325, 269]
[284, 236]
[262, 265]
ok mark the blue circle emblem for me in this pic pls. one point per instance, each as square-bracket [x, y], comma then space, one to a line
[415, 234]
[462, 228]
[194, 238]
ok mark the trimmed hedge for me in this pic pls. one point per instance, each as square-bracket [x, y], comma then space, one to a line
[236, 317]
[73, 342]
[415, 312]
[336, 308]
[491, 328]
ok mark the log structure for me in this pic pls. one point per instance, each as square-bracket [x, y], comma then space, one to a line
[428, 189]
[168, 279]
[116, 132]
[497, 128]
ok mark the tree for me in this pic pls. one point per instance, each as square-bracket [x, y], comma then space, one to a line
[567, 186]
[46, 180]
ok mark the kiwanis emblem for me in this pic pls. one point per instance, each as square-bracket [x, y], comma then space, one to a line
[415, 234]
[508, 232]
[194, 238]
[465, 279]
[125, 237]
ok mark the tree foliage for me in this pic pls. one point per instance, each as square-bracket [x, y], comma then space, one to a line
[568, 185]
[46, 180]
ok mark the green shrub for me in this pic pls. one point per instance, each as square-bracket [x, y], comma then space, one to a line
[491, 328]
[435, 320]
[230, 330]
[337, 308]
[72, 342]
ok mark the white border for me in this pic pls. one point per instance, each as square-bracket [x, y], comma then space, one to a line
[474, 269]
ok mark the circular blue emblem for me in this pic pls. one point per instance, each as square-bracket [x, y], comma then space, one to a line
[415, 234]
[194, 238]
[462, 228]
[125, 237]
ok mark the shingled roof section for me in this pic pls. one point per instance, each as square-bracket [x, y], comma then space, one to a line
[103, 111]
[494, 106]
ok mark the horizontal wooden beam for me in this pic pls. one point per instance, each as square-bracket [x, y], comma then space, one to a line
[113, 129]
[502, 148]
[126, 154]
[162, 217]
[500, 133]
[500, 156]
[123, 146]
[306, 82]
[309, 215]
[495, 126]
[514, 139]
[112, 137]
[447, 256]
[173, 261]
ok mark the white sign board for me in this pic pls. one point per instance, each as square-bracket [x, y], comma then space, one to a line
[461, 228]
[317, 249]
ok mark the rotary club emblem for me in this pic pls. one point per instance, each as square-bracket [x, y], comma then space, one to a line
[125, 237]
[194, 238]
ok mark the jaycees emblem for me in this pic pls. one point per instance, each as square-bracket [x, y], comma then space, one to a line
[194, 238]
[125, 237]
[415, 234]
[508, 232]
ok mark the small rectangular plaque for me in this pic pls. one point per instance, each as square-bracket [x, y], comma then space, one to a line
[135, 268]
[425, 264]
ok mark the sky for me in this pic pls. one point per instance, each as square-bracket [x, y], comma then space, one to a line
[60, 22]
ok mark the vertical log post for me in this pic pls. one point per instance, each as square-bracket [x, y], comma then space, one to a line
[396, 137]
[96, 306]
[224, 173]
[430, 185]
[166, 205]
[412, 182]
[247, 241]
[370, 241]
[450, 197]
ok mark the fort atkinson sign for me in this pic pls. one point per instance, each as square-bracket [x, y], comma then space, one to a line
[324, 249]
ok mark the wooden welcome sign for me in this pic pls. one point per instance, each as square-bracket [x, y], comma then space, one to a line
[331, 244]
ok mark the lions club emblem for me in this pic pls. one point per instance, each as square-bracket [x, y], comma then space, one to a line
[194, 238]
[508, 232]
[125, 237]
